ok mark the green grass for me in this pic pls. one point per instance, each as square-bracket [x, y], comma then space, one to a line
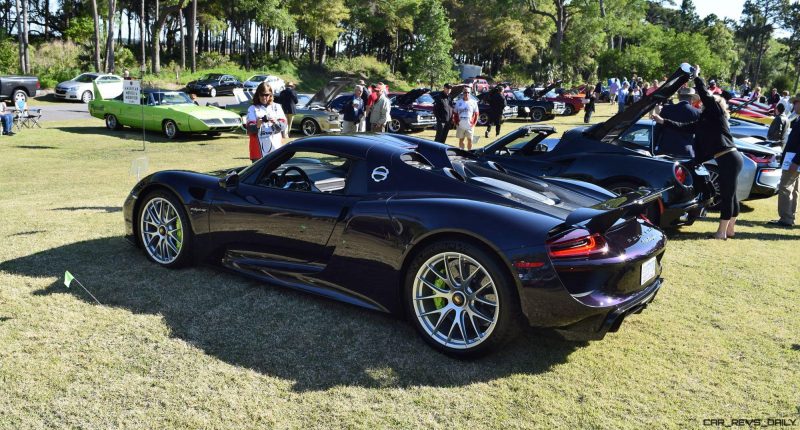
[200, 348]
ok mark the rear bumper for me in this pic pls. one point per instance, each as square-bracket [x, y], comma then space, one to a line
[766, 183]
[684, 213]
[597, 326]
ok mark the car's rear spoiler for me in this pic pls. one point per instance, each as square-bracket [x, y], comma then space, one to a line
[600, 217]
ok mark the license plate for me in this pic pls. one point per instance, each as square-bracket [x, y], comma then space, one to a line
[648, 270]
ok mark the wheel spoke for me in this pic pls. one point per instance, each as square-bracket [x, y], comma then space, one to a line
[439, 275]
[483, 287]
[433, 296]
[485, 302]
[431, 312]
[431, 285]
[462, 328]
[441, 319]
[171, 246]
[474, 326]
[449, 274]
[477, 313]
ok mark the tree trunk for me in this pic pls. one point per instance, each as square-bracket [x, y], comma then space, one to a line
[96, 36]
[183, 39]
[46, 18]
[112, 6]
[27, 66]
[193, 35]
[141, 37]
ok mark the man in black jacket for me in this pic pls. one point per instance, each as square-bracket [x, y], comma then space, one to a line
[497, 103]
[790, 177]
[288, 100]
[674, 142]
[443, 111]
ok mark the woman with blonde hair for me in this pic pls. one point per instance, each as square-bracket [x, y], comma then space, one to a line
[265, 123]
[712, 139]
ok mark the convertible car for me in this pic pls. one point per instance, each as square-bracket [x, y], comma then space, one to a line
[537, 107]
[597, 155]
[369, 220]
[171, 112]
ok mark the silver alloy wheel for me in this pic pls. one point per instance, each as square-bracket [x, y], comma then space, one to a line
[309, 127]
[20, 95]
[455, 300]
[713, 177]
[395, 126]
[170, 129]
[86, 97]
[161, 230]
[537, 114]
[213, 92]
[111, 122]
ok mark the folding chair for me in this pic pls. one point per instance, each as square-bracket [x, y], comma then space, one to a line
[25, 116]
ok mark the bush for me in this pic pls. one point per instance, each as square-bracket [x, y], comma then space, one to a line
[214, 60]
[9, 56]
[783, 83]
[55, 61]
[366, 65]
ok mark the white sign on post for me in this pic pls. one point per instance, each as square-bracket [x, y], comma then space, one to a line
[132, 92]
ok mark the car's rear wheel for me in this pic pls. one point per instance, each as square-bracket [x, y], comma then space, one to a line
[170, 129]
[212, 92]
[86, 97]
[309, 127]
[568, 109]
[112, 123]
[164, 230]
[460, 299]
[652, 211]
[713, 177]
[395, 126]
[19, 95]
[537, 114]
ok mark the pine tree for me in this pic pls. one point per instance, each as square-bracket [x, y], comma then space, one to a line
[431, 57]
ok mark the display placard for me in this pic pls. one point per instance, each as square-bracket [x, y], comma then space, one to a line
[132, 92]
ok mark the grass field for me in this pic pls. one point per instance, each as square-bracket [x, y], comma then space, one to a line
[199, 348]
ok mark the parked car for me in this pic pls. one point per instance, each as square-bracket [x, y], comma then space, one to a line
[478, 85]
[536, 108]
[760, 173]
[464, 251]
[18, 88]
[597, 155]
[277, 84]
[171, 112]
[213, 84]
[81, 88]
[572, 104]
[313, 114]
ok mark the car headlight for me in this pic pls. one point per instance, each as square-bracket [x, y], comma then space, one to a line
[71, 89]
[209, 86]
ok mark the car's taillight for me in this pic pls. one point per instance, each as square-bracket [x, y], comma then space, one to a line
[759, 159]
[38, 85]
[681, 174]
[577, 243]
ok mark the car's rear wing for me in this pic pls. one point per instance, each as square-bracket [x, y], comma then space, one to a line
[600, 217]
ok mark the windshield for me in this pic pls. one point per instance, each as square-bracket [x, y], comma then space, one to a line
[258, 78]
[172, 98]
[211, 77]
[425, 98]
[519, 95]
[551, 94]
[85, 78]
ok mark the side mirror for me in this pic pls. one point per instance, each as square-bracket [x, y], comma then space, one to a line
[230, 182]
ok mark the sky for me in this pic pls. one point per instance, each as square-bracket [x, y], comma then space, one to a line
[722, 8]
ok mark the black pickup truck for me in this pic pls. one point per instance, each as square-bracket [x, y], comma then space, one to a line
[536, 107]
[18, 87]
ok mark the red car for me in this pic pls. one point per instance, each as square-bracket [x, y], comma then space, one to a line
[478, 85]
[572, 103]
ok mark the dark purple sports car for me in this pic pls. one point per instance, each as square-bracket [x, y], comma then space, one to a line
[465, 251]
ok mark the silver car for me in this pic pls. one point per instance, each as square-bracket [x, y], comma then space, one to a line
[80, 87]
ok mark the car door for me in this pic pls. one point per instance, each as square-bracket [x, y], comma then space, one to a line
[273, 223]
[111, 86]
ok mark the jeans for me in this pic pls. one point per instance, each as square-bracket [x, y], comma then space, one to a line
[8, 122]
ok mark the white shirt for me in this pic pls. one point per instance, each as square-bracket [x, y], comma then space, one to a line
[465, 110]
[274, 113]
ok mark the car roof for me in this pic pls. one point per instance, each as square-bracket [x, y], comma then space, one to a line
[380, 144]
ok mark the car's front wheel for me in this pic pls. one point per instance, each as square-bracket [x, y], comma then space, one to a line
[537, 114]
[568, 109]
[212, 92]
[395, 126]
[86, 97]
[460, 299]
[170, 129]
[164, 230]
[309, 127]
[19, 96]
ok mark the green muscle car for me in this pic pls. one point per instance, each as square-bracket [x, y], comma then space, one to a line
[171, 112]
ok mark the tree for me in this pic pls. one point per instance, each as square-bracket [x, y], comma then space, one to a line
[431, 58]
[321, 22]
[757, 24]
[687, 18]
[96, 18]
[109, 63]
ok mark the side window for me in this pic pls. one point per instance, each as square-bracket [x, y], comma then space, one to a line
[640, 137]
[314, 172]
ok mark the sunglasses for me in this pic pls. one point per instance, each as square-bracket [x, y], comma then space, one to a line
[267, 95]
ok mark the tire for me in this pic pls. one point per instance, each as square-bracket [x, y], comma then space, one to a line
[112, 123]
[483, 119]
[19, 95]
[461, 320]
[213, 133]
[622, 187]
[537, 114]
[568, 109]
[212, 92]
[713, 176]
[309, 127]
[395, 126]
[86, 97]
[164, 231]
[652, 211]
[170, 129]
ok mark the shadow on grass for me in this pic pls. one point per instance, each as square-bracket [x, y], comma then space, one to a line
[136, 134]
[34, 147]
[26, 233]
[106, 209]
[315, 342]
[678, 236]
